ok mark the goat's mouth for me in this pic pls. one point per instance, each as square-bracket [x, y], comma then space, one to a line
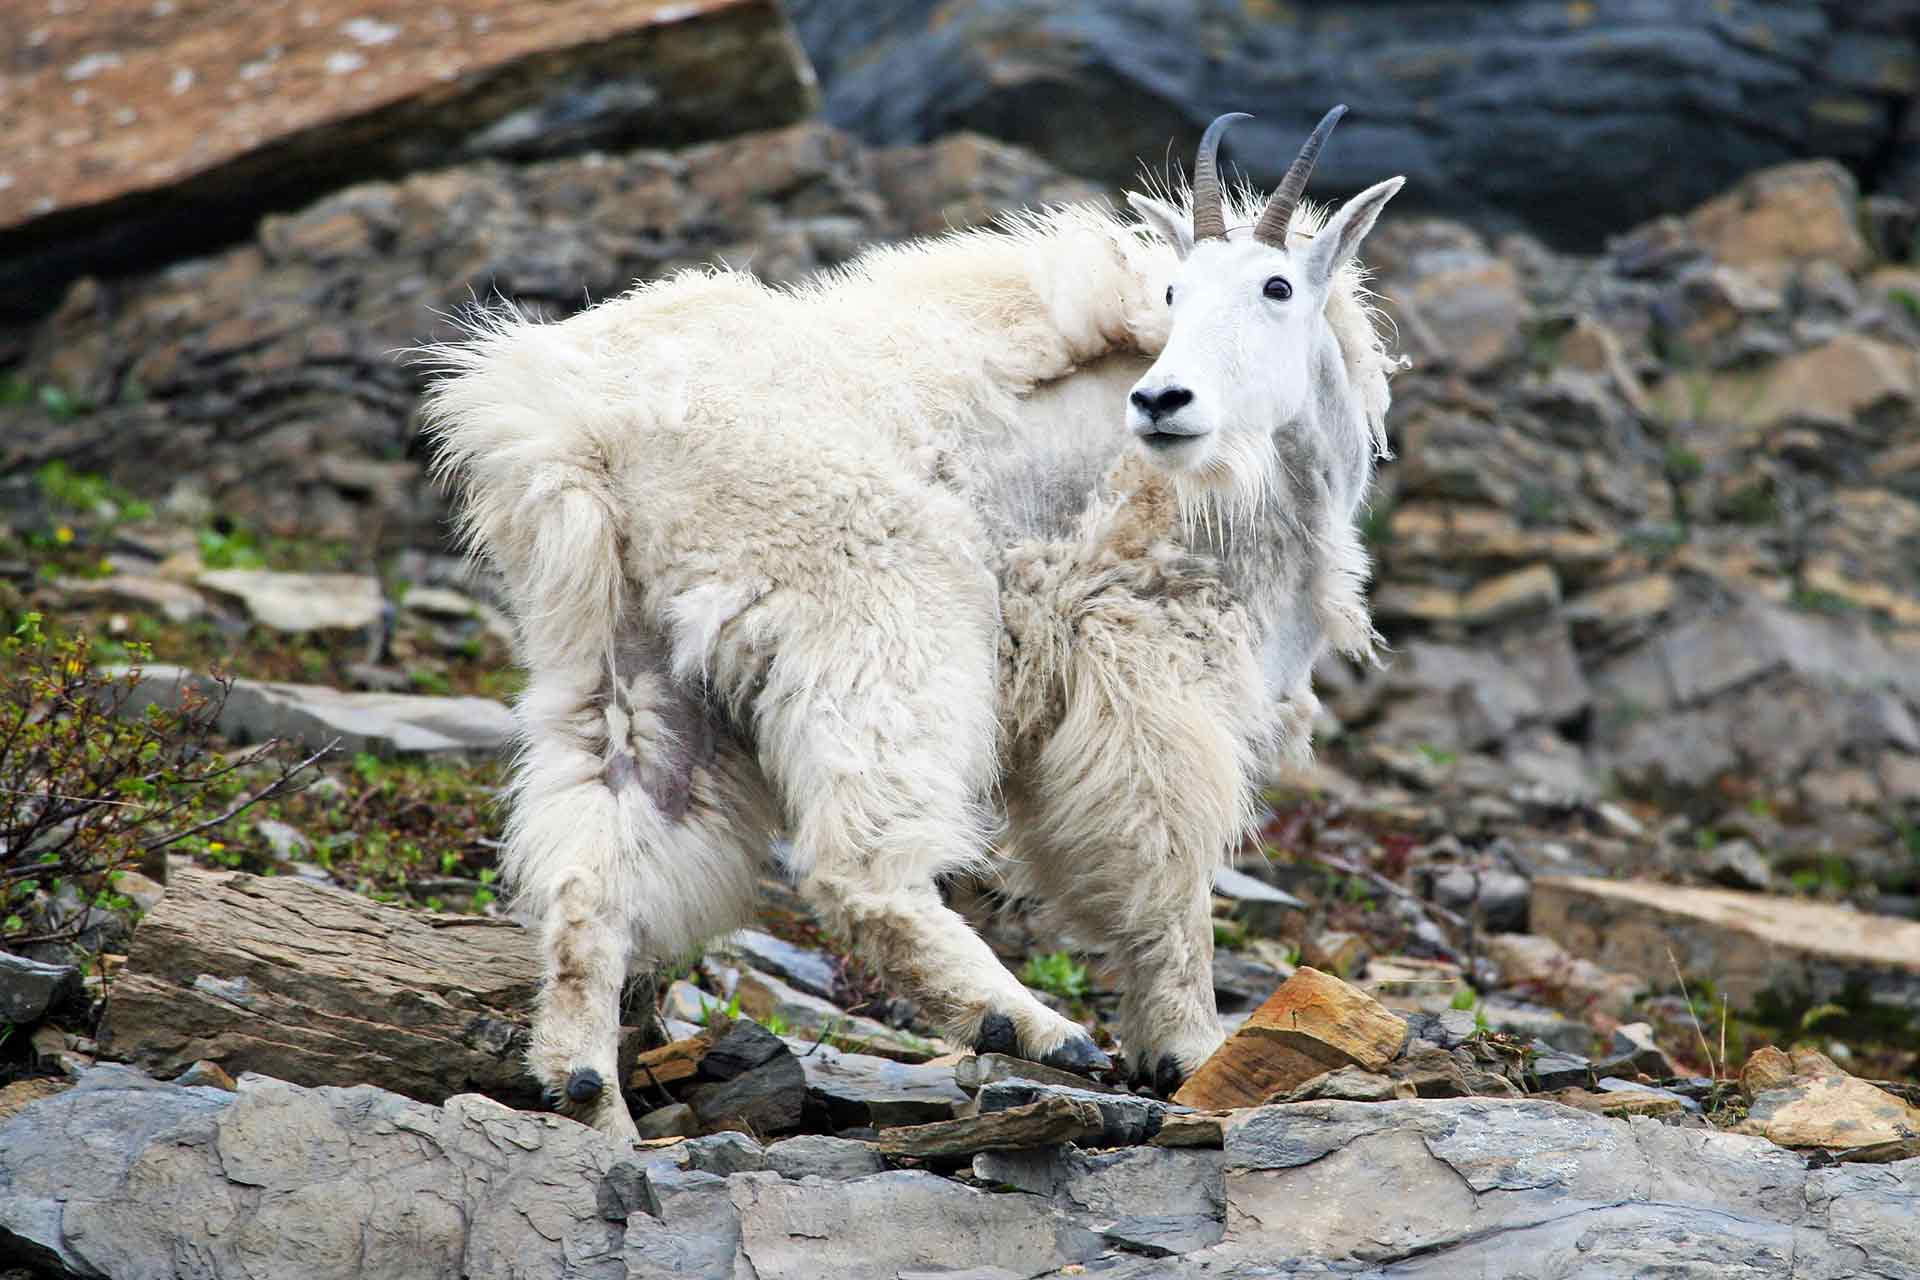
[1166, 436]
[1165, 439]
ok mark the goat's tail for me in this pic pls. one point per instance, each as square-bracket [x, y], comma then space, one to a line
[527, 448]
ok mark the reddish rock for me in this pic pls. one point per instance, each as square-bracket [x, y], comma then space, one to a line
[176, 117]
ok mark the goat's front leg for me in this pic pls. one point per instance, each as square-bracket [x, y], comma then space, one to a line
[1129, 794]
[876, 724]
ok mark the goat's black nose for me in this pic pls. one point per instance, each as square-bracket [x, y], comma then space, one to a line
[1157, 404]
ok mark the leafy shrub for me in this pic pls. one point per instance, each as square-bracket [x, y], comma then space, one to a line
[90, 788]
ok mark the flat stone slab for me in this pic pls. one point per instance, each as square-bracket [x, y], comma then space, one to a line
[1474, 1186]
[297, 602]
[861, 1089]
[1747, 944]
[126, 112]
[313, 715]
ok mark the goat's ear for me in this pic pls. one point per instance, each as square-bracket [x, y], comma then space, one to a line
[1340, 238]
[1168, 221]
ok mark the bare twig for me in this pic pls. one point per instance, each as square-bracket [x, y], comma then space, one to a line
[273, 788]
[1705, 1048]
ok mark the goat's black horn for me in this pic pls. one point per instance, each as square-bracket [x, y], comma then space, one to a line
[1209, 205]
[1274, 219]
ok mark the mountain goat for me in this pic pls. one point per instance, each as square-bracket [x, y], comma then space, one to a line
[1010, 548]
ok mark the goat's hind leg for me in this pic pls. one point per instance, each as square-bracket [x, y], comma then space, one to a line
[605, 856]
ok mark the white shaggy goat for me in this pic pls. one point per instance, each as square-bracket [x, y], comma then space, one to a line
[877, 564]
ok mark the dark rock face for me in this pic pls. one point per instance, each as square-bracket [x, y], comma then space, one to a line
[1573, 120]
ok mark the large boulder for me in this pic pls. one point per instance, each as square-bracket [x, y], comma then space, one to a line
[1532, 112]
[132, 132]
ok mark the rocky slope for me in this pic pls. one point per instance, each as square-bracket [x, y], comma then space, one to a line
[1635, 796]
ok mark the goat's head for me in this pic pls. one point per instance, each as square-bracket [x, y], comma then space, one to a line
[1248, 311]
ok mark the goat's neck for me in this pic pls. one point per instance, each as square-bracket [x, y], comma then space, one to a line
[1277, 554]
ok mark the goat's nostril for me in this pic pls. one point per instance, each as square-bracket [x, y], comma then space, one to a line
[1157, 404]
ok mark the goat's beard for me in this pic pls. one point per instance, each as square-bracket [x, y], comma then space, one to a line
[1225, 493]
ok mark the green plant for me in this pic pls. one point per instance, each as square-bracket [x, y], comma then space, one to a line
[1683, 464]
[731, 1009]
[1437, 755]
[1815, 600]
[91, 783]
[1907, 299]
[1057, 973]
[1465, 998]
[61, 404]
[235, 549]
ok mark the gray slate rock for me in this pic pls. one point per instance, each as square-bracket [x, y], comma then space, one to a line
[298, 602]
[758, 1085]
[811, 971]
[815, 1155]
[875, 1227]
[1493, 1188]
[381, 723]
[725, 1153]
[860, 1089]
[29, 988]
[122, 1176]
[1144, 1199]
[1553, 1070]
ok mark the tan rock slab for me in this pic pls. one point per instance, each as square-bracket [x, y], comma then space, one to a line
[1622, 1105]
[1312, 1024]
[118, 99]
[670, 1063]
[1473, 312]
[1745, 943]
[1831, 383]
[1836, 1112]
[22, 1092]
[1782, 217]
[1192, 1129]
[1622, 603]
[1534, 589]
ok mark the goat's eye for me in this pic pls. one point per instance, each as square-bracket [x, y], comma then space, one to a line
[1277, 288]
[1169, 295]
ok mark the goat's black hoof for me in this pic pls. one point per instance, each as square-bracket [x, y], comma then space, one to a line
[550, 1098]
[584, 1085]
[997, 1036]
[1167, 1076]
[1079, 1055]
